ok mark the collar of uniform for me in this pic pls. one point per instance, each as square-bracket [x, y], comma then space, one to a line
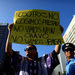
[72, 59]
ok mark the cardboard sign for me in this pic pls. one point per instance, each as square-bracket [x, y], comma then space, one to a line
[36, 27]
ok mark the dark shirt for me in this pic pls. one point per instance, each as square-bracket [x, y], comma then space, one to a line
[70, 67]
[43, 66]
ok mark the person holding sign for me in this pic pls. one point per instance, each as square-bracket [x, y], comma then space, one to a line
[31, 65]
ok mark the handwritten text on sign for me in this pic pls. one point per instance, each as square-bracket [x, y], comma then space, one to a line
[36, 27]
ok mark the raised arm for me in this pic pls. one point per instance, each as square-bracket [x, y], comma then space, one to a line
[57, 47]
[8, 48]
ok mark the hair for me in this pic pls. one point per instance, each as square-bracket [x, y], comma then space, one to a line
[33, 47]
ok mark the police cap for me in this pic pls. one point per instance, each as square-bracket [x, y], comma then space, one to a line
[68, 46]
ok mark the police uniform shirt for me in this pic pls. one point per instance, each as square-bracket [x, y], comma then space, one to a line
[70, 67]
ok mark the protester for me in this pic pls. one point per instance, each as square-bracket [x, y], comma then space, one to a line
[31, 65]
[68, 49]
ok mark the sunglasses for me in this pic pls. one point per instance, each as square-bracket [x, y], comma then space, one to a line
[29, 48]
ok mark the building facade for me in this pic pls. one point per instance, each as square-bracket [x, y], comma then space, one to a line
[3, 37]
[69, 35]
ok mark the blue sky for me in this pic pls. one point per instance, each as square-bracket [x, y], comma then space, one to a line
[65, 7]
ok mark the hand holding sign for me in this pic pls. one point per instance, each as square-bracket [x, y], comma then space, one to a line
[61, 29]
[10, 26]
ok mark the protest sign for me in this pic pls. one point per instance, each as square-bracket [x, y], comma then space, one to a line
[36, 27]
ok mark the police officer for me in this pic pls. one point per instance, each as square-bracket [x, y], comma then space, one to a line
[68, 49]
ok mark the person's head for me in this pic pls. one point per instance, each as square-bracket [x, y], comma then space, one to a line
[68, 49]
[31, 52]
